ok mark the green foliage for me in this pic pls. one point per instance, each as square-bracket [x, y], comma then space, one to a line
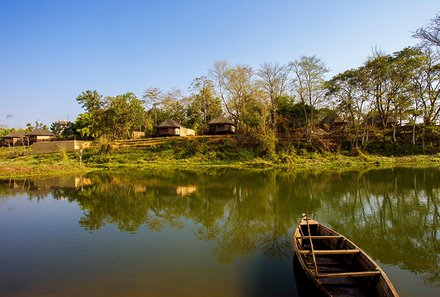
[112, 117]
[124, 114]
[38, 125]
[64, 129]
[91, 101]
[204, 106]
[237, 91]
[294, 114]
[87, 125]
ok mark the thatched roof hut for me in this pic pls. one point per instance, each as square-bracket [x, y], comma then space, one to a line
[40, 132]
[173, 128]
[15, 134]
[14, 138]
[221, 125]
[38, 135]
[169, 124]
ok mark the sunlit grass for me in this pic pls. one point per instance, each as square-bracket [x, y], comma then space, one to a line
[195, 153]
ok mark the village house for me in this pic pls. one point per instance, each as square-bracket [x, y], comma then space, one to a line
[173, 128]
[14, 138]
[40, 135]
[221, 125]
[332, 123]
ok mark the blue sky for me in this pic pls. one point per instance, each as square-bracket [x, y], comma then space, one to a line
[51, 51]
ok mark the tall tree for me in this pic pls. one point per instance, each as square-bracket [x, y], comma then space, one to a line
[430, 34]
[124, 114]
[348, 92]
[204, 104]
[309, 78]
[152, 98]
[404, 66]
[426, 84]
[88, 124]
[236, 89]
[273, 80]
[91, 101]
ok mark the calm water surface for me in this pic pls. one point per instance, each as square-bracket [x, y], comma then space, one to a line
[209, 232]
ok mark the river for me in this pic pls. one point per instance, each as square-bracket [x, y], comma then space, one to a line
[209, 232]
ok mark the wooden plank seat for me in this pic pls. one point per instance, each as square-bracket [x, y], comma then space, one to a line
[330, 252]
[349, 274]
[322, 237]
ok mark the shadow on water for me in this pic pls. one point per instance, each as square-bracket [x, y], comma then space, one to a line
[305, 287]
[272, 278]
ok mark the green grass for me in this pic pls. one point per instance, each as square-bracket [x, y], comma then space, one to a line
[195, 153]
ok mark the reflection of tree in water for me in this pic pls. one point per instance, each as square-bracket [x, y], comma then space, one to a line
[392, 214]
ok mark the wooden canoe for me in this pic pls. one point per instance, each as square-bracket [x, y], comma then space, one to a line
[335, 265]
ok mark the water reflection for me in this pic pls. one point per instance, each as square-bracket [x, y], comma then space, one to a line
[393, 214]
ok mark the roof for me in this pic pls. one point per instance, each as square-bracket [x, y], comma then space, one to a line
[169, 124]
[40, 132]
[15, 134]
[221, 120]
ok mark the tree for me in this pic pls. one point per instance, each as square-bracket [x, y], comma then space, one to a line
[273, 79]
[236, 90]
[425, 91]
[124, 114]
[152, 99]
[87, 126]
[38, 125]
[308, 79]
[174, 104]
[347, 90]
[204, 106]
[165, 105]
[90, 123]
[430, 34]
[63, 129]
[292, 114]
[426, 86]
[91, 101]
[404, 66]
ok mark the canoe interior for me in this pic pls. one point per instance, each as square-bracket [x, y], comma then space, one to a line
[343, 269]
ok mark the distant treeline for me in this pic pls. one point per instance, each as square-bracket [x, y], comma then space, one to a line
[275, 101]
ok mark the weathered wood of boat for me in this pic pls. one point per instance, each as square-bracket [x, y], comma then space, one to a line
[335, 265]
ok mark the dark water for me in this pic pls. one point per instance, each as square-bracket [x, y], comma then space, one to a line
[209, 232]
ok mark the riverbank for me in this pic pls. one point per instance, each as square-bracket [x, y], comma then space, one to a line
[186, 154]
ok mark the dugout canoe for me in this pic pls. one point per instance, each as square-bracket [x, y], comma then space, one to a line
[335, 265]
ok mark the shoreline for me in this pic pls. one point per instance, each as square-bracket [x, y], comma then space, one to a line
[51, 165]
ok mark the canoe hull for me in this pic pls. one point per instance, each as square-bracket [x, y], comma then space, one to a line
[337, 267]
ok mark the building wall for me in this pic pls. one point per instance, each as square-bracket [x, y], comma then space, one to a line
[187, 132]
[137, 134]
[58, 146]
[221, 129]
[182, 131]
[13, 141]
[168, 132]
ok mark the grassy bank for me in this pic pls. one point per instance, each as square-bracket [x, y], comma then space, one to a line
[13, 163]
[230, 152]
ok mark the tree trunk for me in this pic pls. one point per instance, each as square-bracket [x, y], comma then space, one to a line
[414, 134]
[394, 134]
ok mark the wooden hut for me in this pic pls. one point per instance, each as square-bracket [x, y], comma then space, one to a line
[39, 135]
[173, 128]
[331, 122]
[14, 138]
[221, 125]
